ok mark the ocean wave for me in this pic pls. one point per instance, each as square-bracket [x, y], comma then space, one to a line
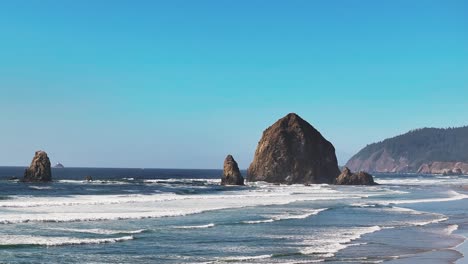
[395, 209]
[182, 181]
[287, 216]
[453, 196]
[329, 246]
[115, 182]
[432, 180]
[428, 222]
[450, 229]
[196, 226]
[139, 206]
[31, 201]
[21, 240]
[259, 221]
[100, 231]
[243, 258]
[34, 187]
[406, 210]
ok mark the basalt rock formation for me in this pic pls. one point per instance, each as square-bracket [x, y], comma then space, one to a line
[348, 178]
[292, 151]
[231, 172]
[426, 150]
[39, 170]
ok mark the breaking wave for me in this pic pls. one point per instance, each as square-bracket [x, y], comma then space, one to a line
[22, 240]
[287, 216]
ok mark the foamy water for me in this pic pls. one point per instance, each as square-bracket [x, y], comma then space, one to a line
[168, 220]
[56, 241]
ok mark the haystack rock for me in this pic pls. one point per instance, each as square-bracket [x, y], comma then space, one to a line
[231, 172]
[292, 151]
[39, 170]
[348, 178]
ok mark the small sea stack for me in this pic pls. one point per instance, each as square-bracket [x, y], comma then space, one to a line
[231, 172]
[59, 165]
[88, 178]
[39, 170]
[292, 151]
[348, 178]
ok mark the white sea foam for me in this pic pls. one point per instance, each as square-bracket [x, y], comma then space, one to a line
[450, 229]
[331, 243]
[287, 216]
[137, 206]
[35, 187]
[114, 182]
[258, 221]
[195, 226]
[452, 196]
[437, 218]
[406, 210]
[428, 222]
[11, 240]
[299, 216]
[243, 258]
[304, 261]
[174, 180]
[31, 201]
[99, 231]
[432, 180]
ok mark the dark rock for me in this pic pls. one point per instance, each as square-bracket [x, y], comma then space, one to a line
[231, 172]
[292, 151]
[39, 170]
[59, 165]
[348, 178]
[451, 172]
[13, 178]
[88, 178]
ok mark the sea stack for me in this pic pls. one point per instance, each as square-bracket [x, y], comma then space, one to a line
[348, 178]
[59, 166]
[231, 173]
[39, 170]
[292, 151]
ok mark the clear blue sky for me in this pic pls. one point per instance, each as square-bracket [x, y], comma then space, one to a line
[180, 84]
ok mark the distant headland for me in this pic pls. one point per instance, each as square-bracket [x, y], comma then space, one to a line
[426, 150]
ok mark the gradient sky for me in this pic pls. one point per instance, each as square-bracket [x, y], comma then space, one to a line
[180, 84]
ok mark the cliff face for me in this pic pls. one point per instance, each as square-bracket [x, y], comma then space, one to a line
[39, 170]
[231, 172]
[448, 168]
[380, 161]
[428, 150]
[292, 151]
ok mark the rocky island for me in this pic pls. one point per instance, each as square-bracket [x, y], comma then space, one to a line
[426, 150]
[292, 151]
[348, 178]
[39, 170]
[231, 172]
[59, 165]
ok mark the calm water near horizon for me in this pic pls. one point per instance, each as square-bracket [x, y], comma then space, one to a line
[185, 216]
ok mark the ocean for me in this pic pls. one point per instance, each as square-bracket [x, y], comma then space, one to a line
[185, 216]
